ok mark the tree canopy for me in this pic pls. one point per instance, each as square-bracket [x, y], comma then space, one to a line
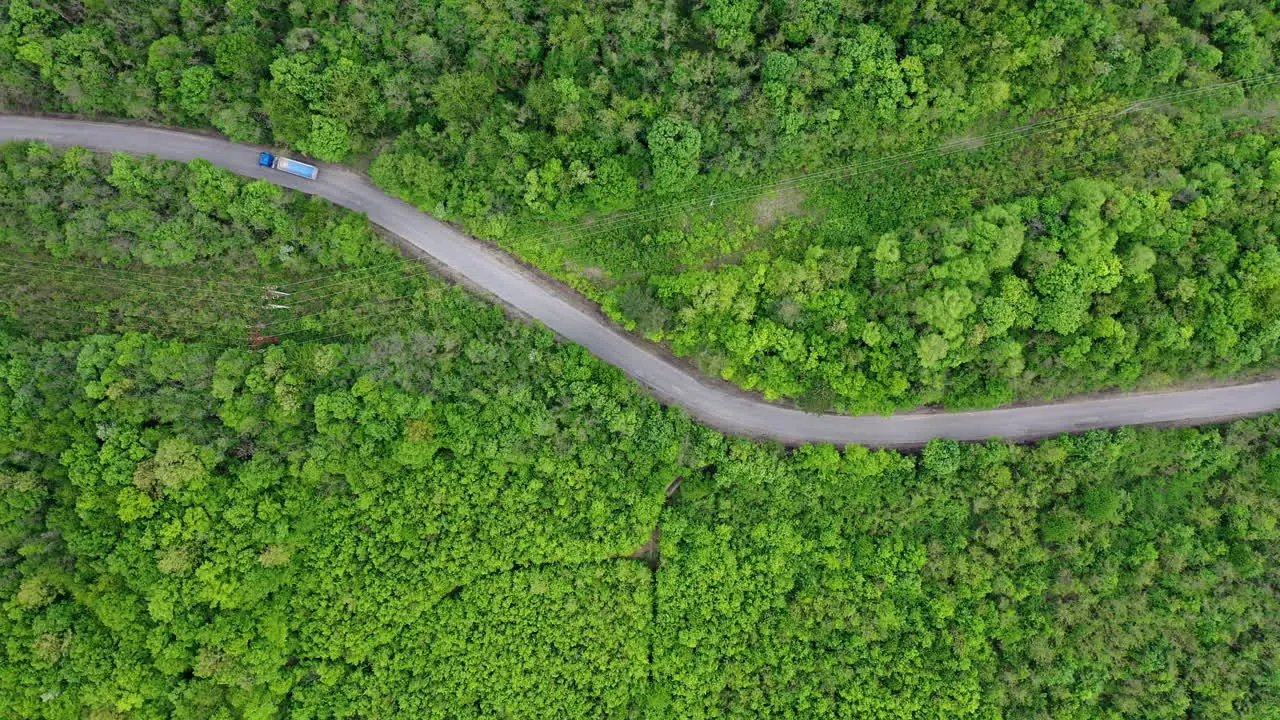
[441, 512]
[630, 148]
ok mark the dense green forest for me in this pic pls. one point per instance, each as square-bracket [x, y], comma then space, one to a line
[189, 251]
[198, 533]
[505, 105]
[591, 137]
[1119, 574]
[445, 513]
[195, 529]
[1163, 266]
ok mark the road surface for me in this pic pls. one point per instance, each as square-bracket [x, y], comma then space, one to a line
[711, 402]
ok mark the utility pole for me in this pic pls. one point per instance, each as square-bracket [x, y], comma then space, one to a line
[257, 339]
[270, 293]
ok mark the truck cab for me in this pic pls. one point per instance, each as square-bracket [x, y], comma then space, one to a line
[285, 165]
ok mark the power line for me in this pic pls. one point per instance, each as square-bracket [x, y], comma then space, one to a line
[385, 312]
[124, 312]
[92, 268]
[104, 315]
[1027, 188]
[17, 271]
[335, 309]
[1115, 153]
[301, 294]
[346, 332]
[991, 139]
[397, 264]
[19, 266]
[95, 315]
[344, 273]
[379, 313]
[947, 148]
[38, 266]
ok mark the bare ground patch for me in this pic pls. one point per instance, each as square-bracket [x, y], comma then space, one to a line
[595, 273]
[967, 141]
[771, 208]
[648, 552]
[1264, 112]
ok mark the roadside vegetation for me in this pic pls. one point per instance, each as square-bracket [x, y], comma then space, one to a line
[593, 139]
[122, 243]
[969, 290]
[435, 514]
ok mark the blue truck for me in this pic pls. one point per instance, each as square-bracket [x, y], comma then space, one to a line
[284, 164]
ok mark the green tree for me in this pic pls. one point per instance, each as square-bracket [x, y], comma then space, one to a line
[674, 147]
[329, 139]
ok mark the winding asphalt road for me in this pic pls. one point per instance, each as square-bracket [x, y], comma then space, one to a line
[711, 402]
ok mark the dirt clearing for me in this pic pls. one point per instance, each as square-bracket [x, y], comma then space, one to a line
[773, 207]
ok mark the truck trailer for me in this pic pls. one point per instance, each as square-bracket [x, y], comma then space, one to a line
[284, 164]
